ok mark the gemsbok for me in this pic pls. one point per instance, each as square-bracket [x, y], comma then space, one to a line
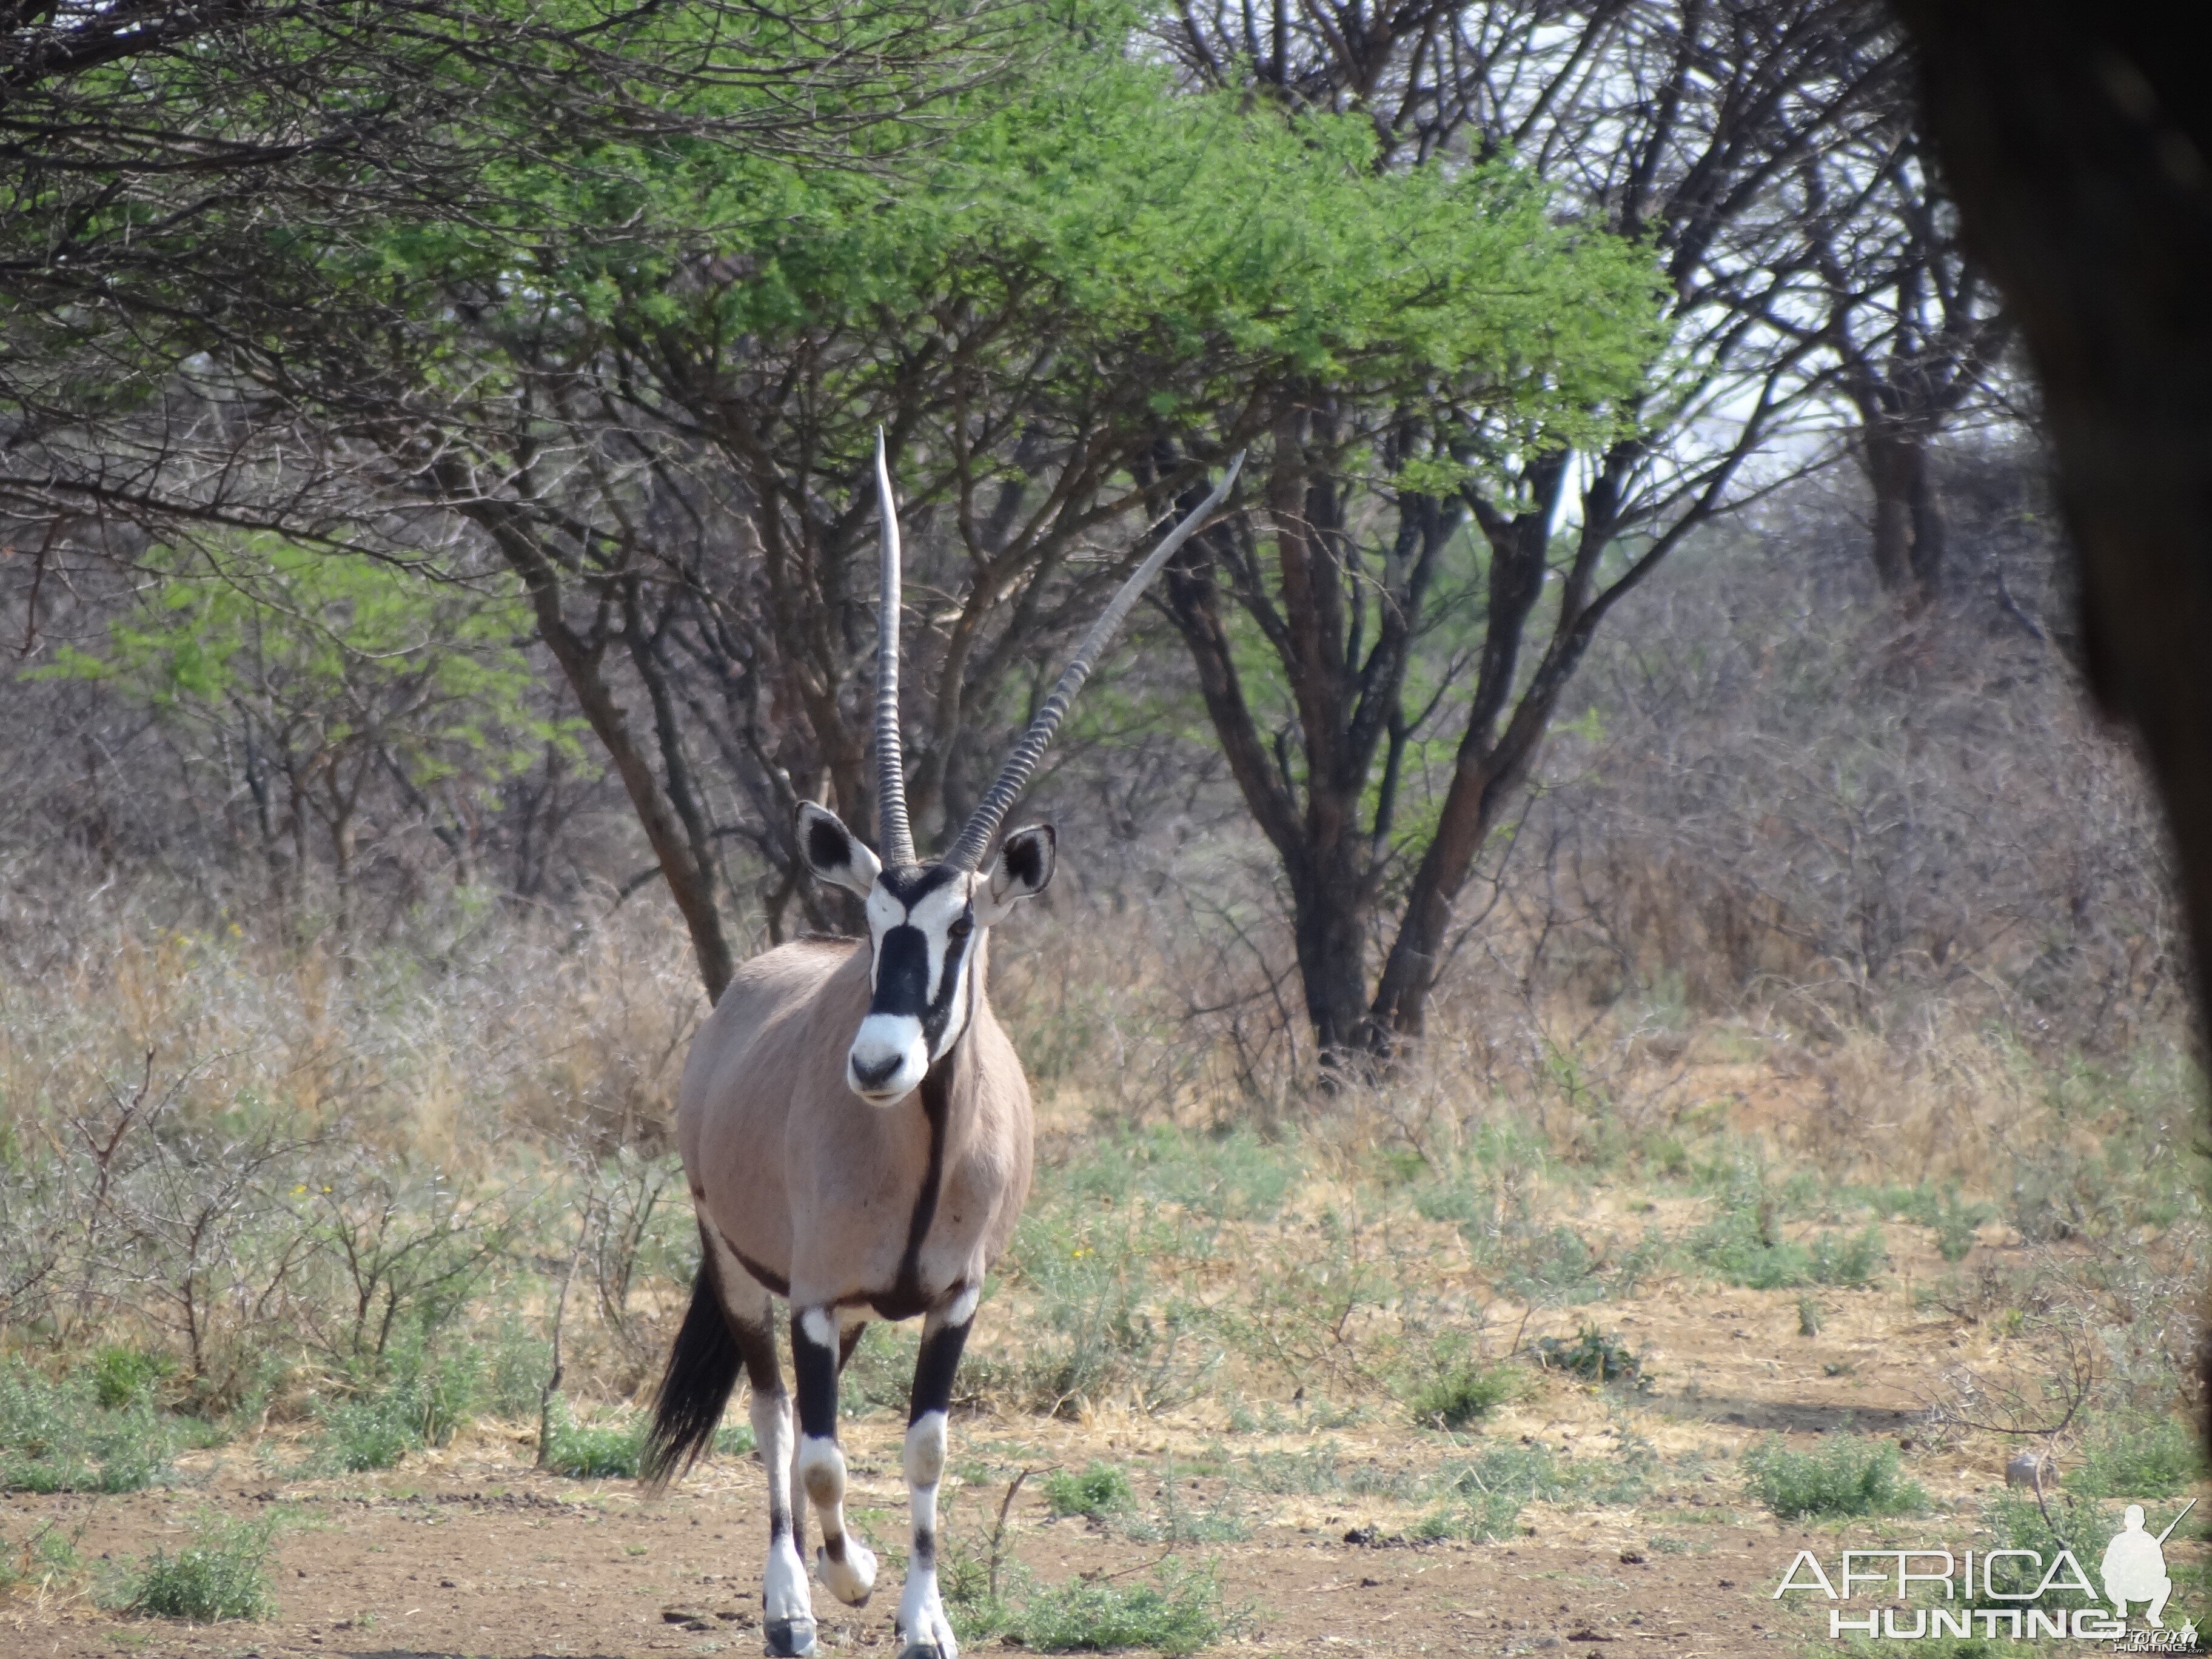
[855, 1126]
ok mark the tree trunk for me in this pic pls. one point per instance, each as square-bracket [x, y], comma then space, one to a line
[1908, 519]
[690, 880]
[1328, 925]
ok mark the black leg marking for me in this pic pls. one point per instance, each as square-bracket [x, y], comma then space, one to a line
[934, 1368]
[814, 1367]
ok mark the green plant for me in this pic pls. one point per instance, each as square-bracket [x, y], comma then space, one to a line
[1593, 1354]
[1954, 1228]
[121, 1376]
[223, 1573]
[46, 1555]
[372, 1431]
[1099, 1490]
[2153, 1457]
[1179, 1612]
[1809, 1315]
[1555, 1269]
[1480, 1499]
[57, 1437]
[1740, 1247]
[599, 1451]
[1848, 1476]
[1462, 1393]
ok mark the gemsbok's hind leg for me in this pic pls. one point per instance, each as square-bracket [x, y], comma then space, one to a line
[787, 1604]
[846, 1565]
[924, 1633]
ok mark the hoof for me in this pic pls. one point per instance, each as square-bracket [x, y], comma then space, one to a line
[790, 1638]
[851, 1580]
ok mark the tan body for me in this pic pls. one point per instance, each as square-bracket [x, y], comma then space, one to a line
[814, 1189]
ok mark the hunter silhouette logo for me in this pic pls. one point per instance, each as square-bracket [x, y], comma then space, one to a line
[2133, 1570]
[2134, 1566]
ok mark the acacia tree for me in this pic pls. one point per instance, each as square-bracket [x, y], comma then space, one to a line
[1676, 126]
[226, 226]
[655, 405]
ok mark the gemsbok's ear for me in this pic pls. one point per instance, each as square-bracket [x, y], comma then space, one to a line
[1022, 869]
[834, 852]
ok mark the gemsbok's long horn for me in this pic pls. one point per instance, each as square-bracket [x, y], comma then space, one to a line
[983, 823]
[895, 833]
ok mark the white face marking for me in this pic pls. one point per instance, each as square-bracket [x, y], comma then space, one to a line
[892, 1051]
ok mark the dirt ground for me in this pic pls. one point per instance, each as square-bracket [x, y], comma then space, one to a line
[478, 1558]
[471, 1552]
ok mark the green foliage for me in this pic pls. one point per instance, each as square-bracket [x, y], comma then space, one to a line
[371, 1430]
[2016, 1522]
[121, 1376]
[1740, 1247]
[1097, 1491]
[425, 1400]
[1481, 1497]
[599, 1451]
[57, 1436]
[1592, 1354]
[1463, 1391]
[2137, 1459]
[47, 1556]
[1104, 1331]
[223, 1573]
[1555, 1269]
[1178, 1613]
[324, 665]
[1848, 1476]
[879, 1377]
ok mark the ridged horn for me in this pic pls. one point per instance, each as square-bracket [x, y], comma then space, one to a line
[896, 835]
[983, 823]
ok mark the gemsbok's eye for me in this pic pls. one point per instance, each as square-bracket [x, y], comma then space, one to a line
[962, 928]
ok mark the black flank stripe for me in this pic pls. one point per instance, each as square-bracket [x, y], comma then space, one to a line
[776, 1282]
[906, 1298]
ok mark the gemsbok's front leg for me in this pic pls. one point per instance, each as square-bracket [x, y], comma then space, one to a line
[846, 1565]
[924, 1633]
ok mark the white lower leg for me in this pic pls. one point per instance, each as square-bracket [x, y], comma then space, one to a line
[784, 1594]
[846, 1565]
[921, 1620]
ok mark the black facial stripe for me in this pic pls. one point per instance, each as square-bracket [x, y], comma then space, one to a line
[902, 972]
[908, 883]
[903, 979]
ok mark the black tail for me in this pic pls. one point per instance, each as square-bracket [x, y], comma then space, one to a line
[702, 1370]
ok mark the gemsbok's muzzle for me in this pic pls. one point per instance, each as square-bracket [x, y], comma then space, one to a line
[890, 1051]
